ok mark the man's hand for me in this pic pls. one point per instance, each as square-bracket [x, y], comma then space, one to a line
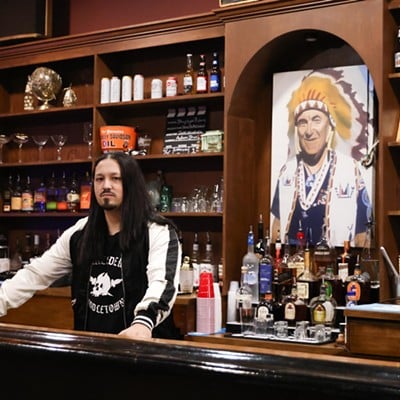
[136, 331]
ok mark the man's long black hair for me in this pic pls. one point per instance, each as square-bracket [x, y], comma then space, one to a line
[136, 212]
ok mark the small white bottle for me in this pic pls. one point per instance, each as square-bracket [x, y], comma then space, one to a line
[138, 87]
[115, 90]
[105, 90]
[126, 88]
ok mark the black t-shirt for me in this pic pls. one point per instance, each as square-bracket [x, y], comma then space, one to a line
[106, 292]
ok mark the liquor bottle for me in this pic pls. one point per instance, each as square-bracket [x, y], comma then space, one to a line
[86, 191]
[51, 194]
[251, 261]
[207, 263]
[259, 247]
[307, 282]
[294, 308]
[335, 286]
[62, 194]
[39, 197]
[16, 195]
[27, 196]
[345, 262]
[195, 257]
[37, 251]
[7, 192]
[73, 195]
[215, 75]
[358, 287]
[266, 268]
[397, 52]
[16, 259]
[323, 308]
[202, 76]
[186, 276]
[264, 315]
[370, 264]
[296, 260]
[188, 77]
[244, 297]
[27, 250]
[4, 254]
[323, 255]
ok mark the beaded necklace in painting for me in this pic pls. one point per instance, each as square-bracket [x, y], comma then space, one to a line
[307, 200]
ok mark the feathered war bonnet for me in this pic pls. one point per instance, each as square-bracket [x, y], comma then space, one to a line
[320, 93]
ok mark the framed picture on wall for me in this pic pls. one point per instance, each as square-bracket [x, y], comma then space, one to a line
[322, 166]
[223, 3]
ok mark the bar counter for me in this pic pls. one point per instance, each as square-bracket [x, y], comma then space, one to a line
[43, 363]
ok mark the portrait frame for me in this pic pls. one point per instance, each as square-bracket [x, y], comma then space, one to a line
[356, 86]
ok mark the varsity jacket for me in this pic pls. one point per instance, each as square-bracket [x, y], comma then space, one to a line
[159, 274]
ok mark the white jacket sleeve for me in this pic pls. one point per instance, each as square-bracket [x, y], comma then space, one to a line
[40, 273]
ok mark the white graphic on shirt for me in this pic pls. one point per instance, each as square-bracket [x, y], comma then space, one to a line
[102, 284]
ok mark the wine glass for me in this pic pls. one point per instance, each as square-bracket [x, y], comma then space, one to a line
[59, 141]
[88, 137]
[3, 140]
[20, 139]
[40, 141]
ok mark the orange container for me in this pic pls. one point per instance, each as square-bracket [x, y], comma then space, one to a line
[117, 138]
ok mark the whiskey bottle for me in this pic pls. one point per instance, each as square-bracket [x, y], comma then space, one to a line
[358, 287]
[186, 276]
[251, 261]
[27, 196]
[202, 76]
[73, 196]
[215, 75]
[307, 282]
[264, 315]
[294, 307]
[323, 255]
[7, 192]
[16, 195]
[323, 308]
[296, 260]
[188, 77]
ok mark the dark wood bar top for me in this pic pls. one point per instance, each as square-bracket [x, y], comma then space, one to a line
[50, 363]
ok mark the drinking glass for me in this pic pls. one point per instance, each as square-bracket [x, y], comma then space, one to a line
[88, 137]
[20, 139]
[59, 141]
[3, 140]
[40, 141]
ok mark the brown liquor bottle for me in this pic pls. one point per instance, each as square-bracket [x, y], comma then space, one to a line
[188, 77]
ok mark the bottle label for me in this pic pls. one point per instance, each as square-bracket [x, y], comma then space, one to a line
[319, 314]
[303, 290]
[201, 84]
[290, 312]
[353, 291]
